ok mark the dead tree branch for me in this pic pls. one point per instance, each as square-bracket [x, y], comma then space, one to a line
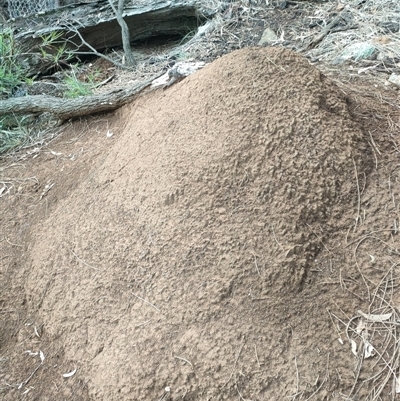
[126, 43]
[65, 109]
[93, 51]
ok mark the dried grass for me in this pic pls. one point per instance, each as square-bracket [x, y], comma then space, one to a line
[372, 22]
[31, 141]
[375, 340]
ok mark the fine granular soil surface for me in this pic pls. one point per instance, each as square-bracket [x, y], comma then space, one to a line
[218, 246]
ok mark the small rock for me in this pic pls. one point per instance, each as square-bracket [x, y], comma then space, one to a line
[267, 37]
[356, 51]
[382, 40]
[395, 80]
[282, 5]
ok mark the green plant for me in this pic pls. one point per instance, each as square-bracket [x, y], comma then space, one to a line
[76, 88]
[54, 50]
[93, 77]
[13, 133]
[19, 131]
[51, 38]
[12, 71]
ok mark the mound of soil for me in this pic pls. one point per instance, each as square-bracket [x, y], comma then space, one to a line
[180, 266]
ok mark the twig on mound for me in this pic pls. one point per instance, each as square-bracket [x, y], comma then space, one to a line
[240, 395]
[362, 276]
[373, 143]
[147, 302]
[370, 235]
[82, 261]
[297, 375]
[320, 240]
[358, 195]
[11, 243]
[234, 364]
[318, 388]
[255, 262]
[273, 232]
[258, 361]
[376, 159]
[301, 393]
[183, 359]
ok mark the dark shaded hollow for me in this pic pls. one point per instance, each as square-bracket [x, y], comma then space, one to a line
[160, 26]
[160, 40]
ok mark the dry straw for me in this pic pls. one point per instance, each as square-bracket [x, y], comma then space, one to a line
[374, 339]
[364, 32]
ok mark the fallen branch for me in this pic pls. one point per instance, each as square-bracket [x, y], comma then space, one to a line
[328, 29]
[65, 109]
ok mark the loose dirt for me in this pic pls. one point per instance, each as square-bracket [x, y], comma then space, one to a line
[213, 248]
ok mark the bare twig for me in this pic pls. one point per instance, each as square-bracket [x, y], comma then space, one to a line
[147, 302]
[183, 359]
[358, 217]
[82, 261]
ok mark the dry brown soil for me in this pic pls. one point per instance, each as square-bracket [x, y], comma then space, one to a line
[213, 248]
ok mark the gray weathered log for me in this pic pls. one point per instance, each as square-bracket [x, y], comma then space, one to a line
[65, 109]
[94, 25]
[99, 26]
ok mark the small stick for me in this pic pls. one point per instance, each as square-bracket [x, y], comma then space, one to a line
[297, 375]
[255, 262]
[370, 236]
[12, 243]
[373, 143]
[82, 261]
[335, 21]
[320, 240]
[240, 395]
[342, 285]
[30, 377]
[184, 360]
[347, 235]
[93, 50]
[258, 361]
[107, 80]
[147, 302]
[376, 159]
[359, 196]
[234, 365]
[359, 365]
[334, 325]
[273, 231]
[316, 391]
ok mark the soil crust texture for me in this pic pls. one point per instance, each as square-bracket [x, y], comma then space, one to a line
[180, 266]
